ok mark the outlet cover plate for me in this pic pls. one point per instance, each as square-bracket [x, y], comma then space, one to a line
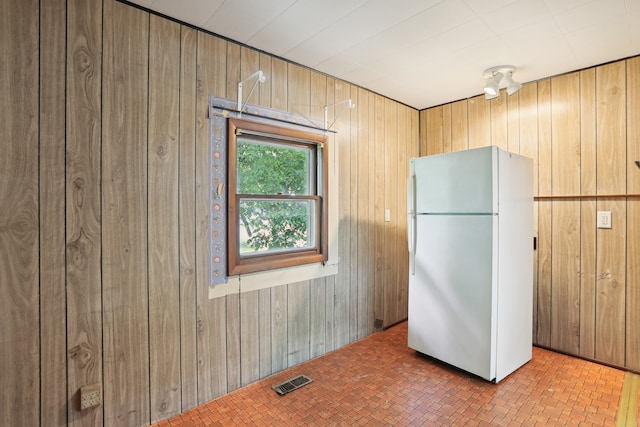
[604, 219]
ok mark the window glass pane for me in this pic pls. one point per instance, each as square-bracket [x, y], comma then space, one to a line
[269, 226]
[270, 168]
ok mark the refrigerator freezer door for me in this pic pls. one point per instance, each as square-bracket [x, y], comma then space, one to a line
[460, 182]
[451, 294]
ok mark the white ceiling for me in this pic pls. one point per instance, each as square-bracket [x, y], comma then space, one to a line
[423, 52]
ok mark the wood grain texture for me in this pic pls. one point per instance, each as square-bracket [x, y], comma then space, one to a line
[232, 323]
[364, 321]
[587, 212]
[423, 132]
[298, 321]
[479, 116]
[279, 325]
[446, 128]
[391, 294]
[317, 317]
[528, 139]
[459, 126]
[404, 149]
[279, 85]
[53, 333]
[632, 359]
[354, 223]
[498, 113]
[125, 301]
[187, 223]
[330, 281]
[317, 287]
[232, 319]
[19, 221]
[379, 204]
[163, 220]
[611, 243]
[249, 337]
[434, 131]
[264, 331]
[211, 337]
[543, 331]
[342, 91]
[83, 201]
[513, 123]
[565, 215]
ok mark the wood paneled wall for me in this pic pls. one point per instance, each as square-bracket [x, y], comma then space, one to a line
[103, 231]
[582, 130]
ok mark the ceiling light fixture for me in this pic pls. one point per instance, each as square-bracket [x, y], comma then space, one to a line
[494, 76]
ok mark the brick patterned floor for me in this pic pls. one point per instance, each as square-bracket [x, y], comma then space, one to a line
[378, 381]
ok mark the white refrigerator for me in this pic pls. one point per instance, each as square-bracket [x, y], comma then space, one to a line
[470, 235]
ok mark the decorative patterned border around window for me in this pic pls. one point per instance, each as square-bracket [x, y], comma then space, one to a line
[220, 109]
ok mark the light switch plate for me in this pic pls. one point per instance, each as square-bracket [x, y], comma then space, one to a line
[387, 215]
[604, 219]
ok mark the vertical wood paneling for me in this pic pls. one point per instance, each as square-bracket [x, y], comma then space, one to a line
[232, 303]
[163, 240]
[211, 314]
[434, 131]
[343, 280]
[354, 151]
[232, 322]
[330, 281]
[125, 301]
[186, 213]
[372, 190]
[53, 334]
[611, 243]
[265, 88]
[479, 116]
[459, 126]
[19, 222]
[632, 360]
[402, 278]
[587, 212]
[278, 84]
[379, 200]
[423, 132]
[446, 128]
[264, 296]
[565, 215]
[498, 112]
[264, 326]
[249, 337]
[513, 123]
[298, 309]
[543, 332]
[279, 326]
[528, 138]
[391, 295]
[298, 321]
[363, 278]
[83, 200]
[317, 287]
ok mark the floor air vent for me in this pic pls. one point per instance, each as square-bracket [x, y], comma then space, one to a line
[292, 384]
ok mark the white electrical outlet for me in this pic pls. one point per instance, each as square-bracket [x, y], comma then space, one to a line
[90, 396]
[387, 215]
[604, 219]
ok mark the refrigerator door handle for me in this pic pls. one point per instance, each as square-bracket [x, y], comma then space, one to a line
[411, 229]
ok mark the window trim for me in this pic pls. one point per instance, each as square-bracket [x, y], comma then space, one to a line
[283, 135]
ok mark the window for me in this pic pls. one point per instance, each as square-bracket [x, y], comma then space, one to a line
[277, 197]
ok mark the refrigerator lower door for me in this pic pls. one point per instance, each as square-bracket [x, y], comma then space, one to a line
[451, 295]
